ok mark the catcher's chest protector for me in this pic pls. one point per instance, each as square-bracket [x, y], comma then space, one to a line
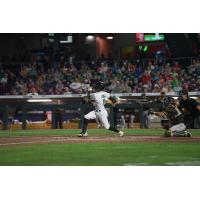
[171, 111]
[174, 114]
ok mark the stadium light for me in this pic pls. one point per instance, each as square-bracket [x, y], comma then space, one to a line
[90, 37]
[69, 39]
[39, 100]
[190, 97]
[109, 37]
[63, 41]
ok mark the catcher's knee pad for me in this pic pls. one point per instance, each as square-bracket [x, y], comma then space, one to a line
[168, 133]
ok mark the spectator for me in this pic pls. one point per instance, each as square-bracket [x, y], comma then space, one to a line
[126, 88]
[66, 91]
[167, 88]
[156, 88]
[118, 88]
[51, 74]
[146, 78]
[32, 92]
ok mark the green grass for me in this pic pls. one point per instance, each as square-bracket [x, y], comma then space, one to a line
[91, 132]
[101, 154]
[98, 154]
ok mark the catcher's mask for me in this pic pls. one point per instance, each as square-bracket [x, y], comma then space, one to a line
[169, 101]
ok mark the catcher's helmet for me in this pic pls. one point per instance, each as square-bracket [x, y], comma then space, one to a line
[169, 101]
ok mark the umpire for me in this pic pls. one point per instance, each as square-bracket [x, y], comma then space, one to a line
[191, 110]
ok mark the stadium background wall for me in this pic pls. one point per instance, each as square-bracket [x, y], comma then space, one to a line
[73, 103]
[36, 106]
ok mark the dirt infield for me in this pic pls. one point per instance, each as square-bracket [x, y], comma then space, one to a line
[29, 140]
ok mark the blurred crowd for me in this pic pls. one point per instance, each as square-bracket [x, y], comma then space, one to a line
[48, 75]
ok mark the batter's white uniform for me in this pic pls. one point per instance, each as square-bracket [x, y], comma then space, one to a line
[100, 112]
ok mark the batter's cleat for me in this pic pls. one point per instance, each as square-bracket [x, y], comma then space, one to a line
[80, 135]
[98, 126]
[121, 133]
[188, 134]
[83, 135]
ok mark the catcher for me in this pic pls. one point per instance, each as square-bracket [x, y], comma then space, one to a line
[172, 119]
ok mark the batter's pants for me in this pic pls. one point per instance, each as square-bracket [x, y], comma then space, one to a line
[102, 116]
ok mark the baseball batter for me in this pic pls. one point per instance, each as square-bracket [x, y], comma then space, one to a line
[98, 99]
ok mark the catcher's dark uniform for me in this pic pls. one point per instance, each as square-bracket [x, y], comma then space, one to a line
[173, 115]
[173, 121]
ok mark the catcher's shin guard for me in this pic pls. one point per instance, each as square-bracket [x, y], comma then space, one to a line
[182, 134]
[169, 133]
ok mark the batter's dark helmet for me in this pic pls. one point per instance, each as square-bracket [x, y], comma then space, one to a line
[99, 85]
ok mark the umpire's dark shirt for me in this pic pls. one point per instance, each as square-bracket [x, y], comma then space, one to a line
[191, 106]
